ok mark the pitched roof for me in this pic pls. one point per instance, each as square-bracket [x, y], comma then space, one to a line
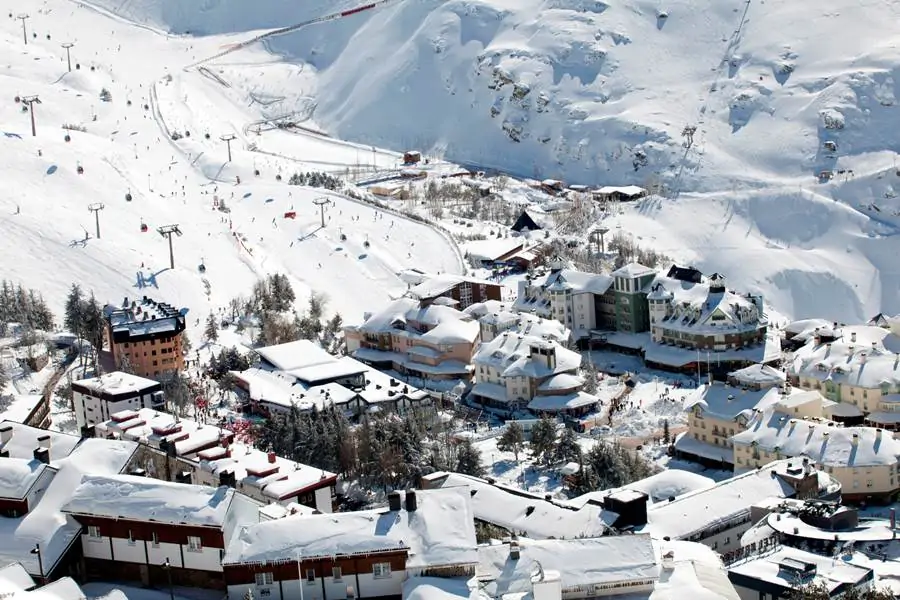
[144, 499]
[440, 532]
[860, 356]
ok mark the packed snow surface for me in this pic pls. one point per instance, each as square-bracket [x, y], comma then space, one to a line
[768, 124]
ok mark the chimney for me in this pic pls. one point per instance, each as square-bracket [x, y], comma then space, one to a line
[411, 501]
[272, 458]
[668, 560]
[44, 442]
[853, 337]
[227, 479]
[514, 552]
[856, 439]
[6, 433]
[878, 433]
[394, 501]
[546, 585]
[42, 455]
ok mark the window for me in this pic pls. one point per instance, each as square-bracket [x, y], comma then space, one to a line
[381, 570]
[155, 539]
[93, 531]
[336, 573]
[194, 544]
[264, 579]
[310, 575]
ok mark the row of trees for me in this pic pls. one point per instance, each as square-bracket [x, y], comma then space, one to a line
[819, 591]
[24, 306]
[316, 180]
[388, 451]
[606, 465]
[271, 307]
[84, 317]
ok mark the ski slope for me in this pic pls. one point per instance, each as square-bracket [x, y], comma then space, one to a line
[49, 239]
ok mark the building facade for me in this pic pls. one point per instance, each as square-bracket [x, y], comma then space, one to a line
[425, 339]
[162, 529]
[704, 315]
[464, 291]
[97, 399]
[145, 337]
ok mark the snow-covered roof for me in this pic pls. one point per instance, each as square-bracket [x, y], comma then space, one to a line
[632, 270]
[561, 381]
[18, 407]
[829, 572]
[625, 190]
[696, 572]
[381, 387]
[45, 524]
[279, 511]
[439, 588]
[295, 355]
[861, 356]
[145, 499]
[277, 477]
[523, 513]
[407, 317]
[440, 532]
[510, 354]
[556, 403]
[117, 383]
[580, 562]
[24, 440]
[700, 308]
[758, 374]
[18, 475]
[337, 368]
[830, 445]
[152, 427]
[492, 249]
[666, 484]
[577, 281]
[804, 329]
[64, 588]
[283, 389]
[14, 578]
[441, 284]
[689, 514]
[726, 402]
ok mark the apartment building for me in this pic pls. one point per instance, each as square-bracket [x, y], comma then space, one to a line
[496, 317]
[266, 477]
[514, 371]
[857, 365]
[863, 459]
[464, 290]
[145, 337]
[426, 339]
[147, 530]
[365, 554]
[704, 315]
[96, 399]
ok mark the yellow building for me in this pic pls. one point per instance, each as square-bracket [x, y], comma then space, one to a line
[863, 459]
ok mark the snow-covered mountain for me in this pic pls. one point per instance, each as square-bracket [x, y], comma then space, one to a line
[774, 93]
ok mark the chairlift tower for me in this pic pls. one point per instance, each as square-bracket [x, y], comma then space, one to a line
[23, 17]
[167, 231]
[31, 101]
[228, 138]
[322, 202]
[68, 46]
[96, 208]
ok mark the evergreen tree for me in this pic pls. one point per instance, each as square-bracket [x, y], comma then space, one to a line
[212, 331]
[589, 372]
[92, 325]
[667, 437]
[4, 379]
[819, 591]
[610, 465]
[74, 318]
[512, 440]
[543, 438]
[567, 448]
[468, 459]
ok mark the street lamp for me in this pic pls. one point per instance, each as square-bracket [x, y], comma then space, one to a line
[168, 568]
[37, 550]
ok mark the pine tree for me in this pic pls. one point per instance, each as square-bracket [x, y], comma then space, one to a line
[212, 331]
[74, 318]
[468, 459]
[512, 440]
[567, 448]
[543, 437]
[667, 437]
[589, 372]
[92, 326]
